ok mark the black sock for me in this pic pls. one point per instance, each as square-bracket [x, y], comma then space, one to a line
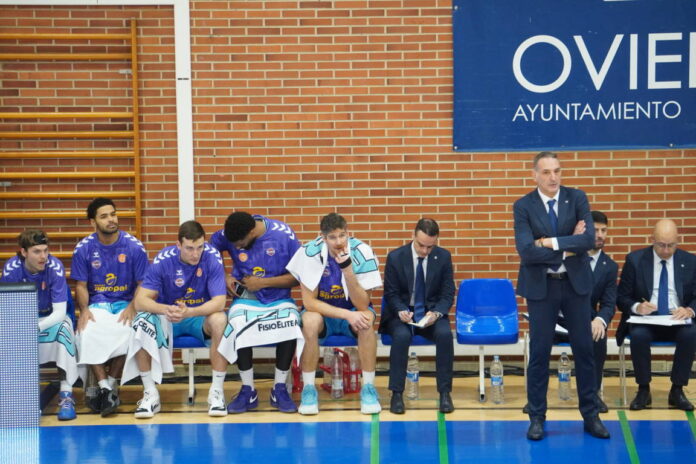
[644, 387]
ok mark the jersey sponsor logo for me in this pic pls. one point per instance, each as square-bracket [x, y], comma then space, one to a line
[122, 258]
[179, 282]
[270, 251]
[199, 272]
[110, 279]
[336, 289]
[99, 288]
[258, 271]
[189, 292]
[243, 257]
[96, 264]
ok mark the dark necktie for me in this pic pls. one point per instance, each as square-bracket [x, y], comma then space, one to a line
[662, 291]
[419, 293]
[554, 226]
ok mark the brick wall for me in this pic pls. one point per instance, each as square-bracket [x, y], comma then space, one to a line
[302, 108]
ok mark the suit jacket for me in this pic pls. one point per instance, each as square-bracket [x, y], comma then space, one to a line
[637, 283]
[399, 278]
[604, 286]
[532, 222]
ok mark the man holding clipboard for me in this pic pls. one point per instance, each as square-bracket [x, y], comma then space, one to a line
[659, 280]
[418, 294]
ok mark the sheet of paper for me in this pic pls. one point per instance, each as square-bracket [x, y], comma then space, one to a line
[664, 320]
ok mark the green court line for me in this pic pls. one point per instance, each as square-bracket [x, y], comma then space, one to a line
[692, 421]
[442, 438]
[628, 438]
[374, 445]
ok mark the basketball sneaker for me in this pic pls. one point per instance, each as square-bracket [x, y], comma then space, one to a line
[309, 404]
[245, 400]
[109, 401]
[66, 406]
[216, 403]
[149, 405]
[369, 401]
[280, 398]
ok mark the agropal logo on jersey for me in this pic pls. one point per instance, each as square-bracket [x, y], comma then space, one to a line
[190, 299]
[258, 271]
[334, 293]
[109, 285]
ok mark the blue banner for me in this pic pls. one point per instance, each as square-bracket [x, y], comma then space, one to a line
[580, 74]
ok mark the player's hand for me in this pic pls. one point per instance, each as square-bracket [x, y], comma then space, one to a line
[430, 317]
[253, 283]
[231, 283]
[580, 227]
[85, 316]
[359, 320]
[405, 316]
[646, 308]
[175, 313]
[127, 315]
[598, 330]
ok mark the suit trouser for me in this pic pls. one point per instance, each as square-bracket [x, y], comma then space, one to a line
[641, 337]
[401, 334]
[543, 315]
[600, 355]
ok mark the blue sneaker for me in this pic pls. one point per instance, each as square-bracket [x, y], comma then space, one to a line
[310, 400]
[369, 401]
[66, 407]
[245, 400]
[280, 398]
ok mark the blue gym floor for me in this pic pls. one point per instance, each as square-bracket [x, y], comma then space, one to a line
[437, 441]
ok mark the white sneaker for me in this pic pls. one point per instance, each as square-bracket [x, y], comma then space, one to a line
[216, 401]
[148, 406]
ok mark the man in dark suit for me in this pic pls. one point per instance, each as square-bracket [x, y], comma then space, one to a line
[419, 284]
[603, 300]
[553, 232]
[660, 279]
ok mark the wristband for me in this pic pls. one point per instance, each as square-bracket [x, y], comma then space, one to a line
[345, 263]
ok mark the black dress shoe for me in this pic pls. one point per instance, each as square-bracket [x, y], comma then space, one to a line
[594, 426]
[536, 428]
[641, 401]
[602, 406]
[446, 405]
[678, 400]
[397, 403]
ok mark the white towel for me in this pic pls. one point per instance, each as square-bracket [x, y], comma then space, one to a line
[308, 263]
[57, 345]
[103, 339]
[152, 333]
[252, 323]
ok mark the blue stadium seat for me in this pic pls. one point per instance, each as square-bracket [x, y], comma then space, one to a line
[486, 315]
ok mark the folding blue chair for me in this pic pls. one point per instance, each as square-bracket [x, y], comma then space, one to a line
[622, 364]
[486, 315]
[187, 342]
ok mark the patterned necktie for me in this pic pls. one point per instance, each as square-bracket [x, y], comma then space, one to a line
[554, 226]
[419, 293]
[662, 291]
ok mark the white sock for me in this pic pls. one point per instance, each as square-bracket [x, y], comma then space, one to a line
[218, 380]
[308, 377]
[368, 377]
[113, 382]
[247, 377]
[148, 381]
[105, 384]
[65, 386]
[280, 376]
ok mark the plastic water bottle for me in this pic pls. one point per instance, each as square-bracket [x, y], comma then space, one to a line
[412, 374]
[337, 377]
[497, 392]
[354, 363]
[564, 377]
[328, 362]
